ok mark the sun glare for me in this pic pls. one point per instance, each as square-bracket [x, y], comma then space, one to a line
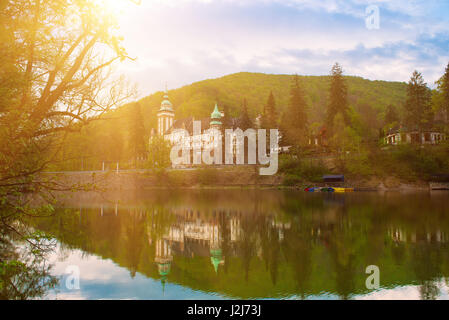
[118, 7]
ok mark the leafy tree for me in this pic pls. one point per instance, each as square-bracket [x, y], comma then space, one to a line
[52, 82]
[158, 153]
[117, 144]
[444, 87]
[110, 144]
[344, 141]
[245, 120]
[23, 275]
[137, 133]
[338, 97]
[294, 121]
[417, 107]
[441, 95]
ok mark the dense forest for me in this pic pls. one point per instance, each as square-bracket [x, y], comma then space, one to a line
[198, 98]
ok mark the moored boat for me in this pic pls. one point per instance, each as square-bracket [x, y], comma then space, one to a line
[343, 189]
[328, 189]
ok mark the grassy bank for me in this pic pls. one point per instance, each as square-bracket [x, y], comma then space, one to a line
[402, 166]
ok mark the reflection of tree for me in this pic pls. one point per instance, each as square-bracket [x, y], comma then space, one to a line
[343, 257]
[134, 244]
[322, 246]
[429, 290]
[264, 231]
[274, 254]
[426, 263]
[298, 250]
[24, 273]
[247, 245]
[344, 276]
[224, 226]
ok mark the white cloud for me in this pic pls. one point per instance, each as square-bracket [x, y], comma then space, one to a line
[183, 41]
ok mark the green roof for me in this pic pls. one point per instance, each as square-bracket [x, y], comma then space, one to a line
[164, 269]
[216, 114]
[166, 104]
[216, 258]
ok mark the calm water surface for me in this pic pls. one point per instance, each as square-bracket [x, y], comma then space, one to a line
[247, 244]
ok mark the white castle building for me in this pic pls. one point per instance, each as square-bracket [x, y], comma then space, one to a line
[183, 130]
[173, 130]
[208, 141]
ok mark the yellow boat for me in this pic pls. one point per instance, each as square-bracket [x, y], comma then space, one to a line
[343, 189]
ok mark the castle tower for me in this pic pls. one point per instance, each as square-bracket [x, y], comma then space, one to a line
[165, 115]
[215, 118]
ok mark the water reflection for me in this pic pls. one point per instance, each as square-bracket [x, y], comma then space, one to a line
[255, 244]
[24, 270]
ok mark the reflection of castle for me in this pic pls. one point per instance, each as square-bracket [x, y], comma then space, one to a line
[202, 235]
[188, 233]
[193, 236]
[163, 259]
[401, 235]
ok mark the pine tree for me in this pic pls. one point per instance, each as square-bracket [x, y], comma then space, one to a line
[137, 133]
[443, 87]
[245, 121]
[294, 120]
[338, 97]
[446, 87]
[226, 119]
[417, 107]
[269, 117]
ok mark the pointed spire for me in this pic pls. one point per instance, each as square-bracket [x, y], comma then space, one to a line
[166, 105]
[216, 258]
[166, 92]
[216, 114]
[163, 281]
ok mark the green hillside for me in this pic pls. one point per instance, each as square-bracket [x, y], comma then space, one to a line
[368, 98]
[110, 139]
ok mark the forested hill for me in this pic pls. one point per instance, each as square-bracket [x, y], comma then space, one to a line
[116, 138]
[368, 98]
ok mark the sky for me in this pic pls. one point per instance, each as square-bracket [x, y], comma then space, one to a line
[178, 42]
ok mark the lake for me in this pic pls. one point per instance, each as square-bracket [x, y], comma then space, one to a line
[249, 244]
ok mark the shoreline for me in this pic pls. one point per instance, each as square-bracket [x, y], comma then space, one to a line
[196, 179]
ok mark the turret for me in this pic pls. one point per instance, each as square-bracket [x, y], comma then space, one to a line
[215, 118]
[165, 115]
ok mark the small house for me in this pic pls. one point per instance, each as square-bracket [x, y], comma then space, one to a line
[403, 135]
